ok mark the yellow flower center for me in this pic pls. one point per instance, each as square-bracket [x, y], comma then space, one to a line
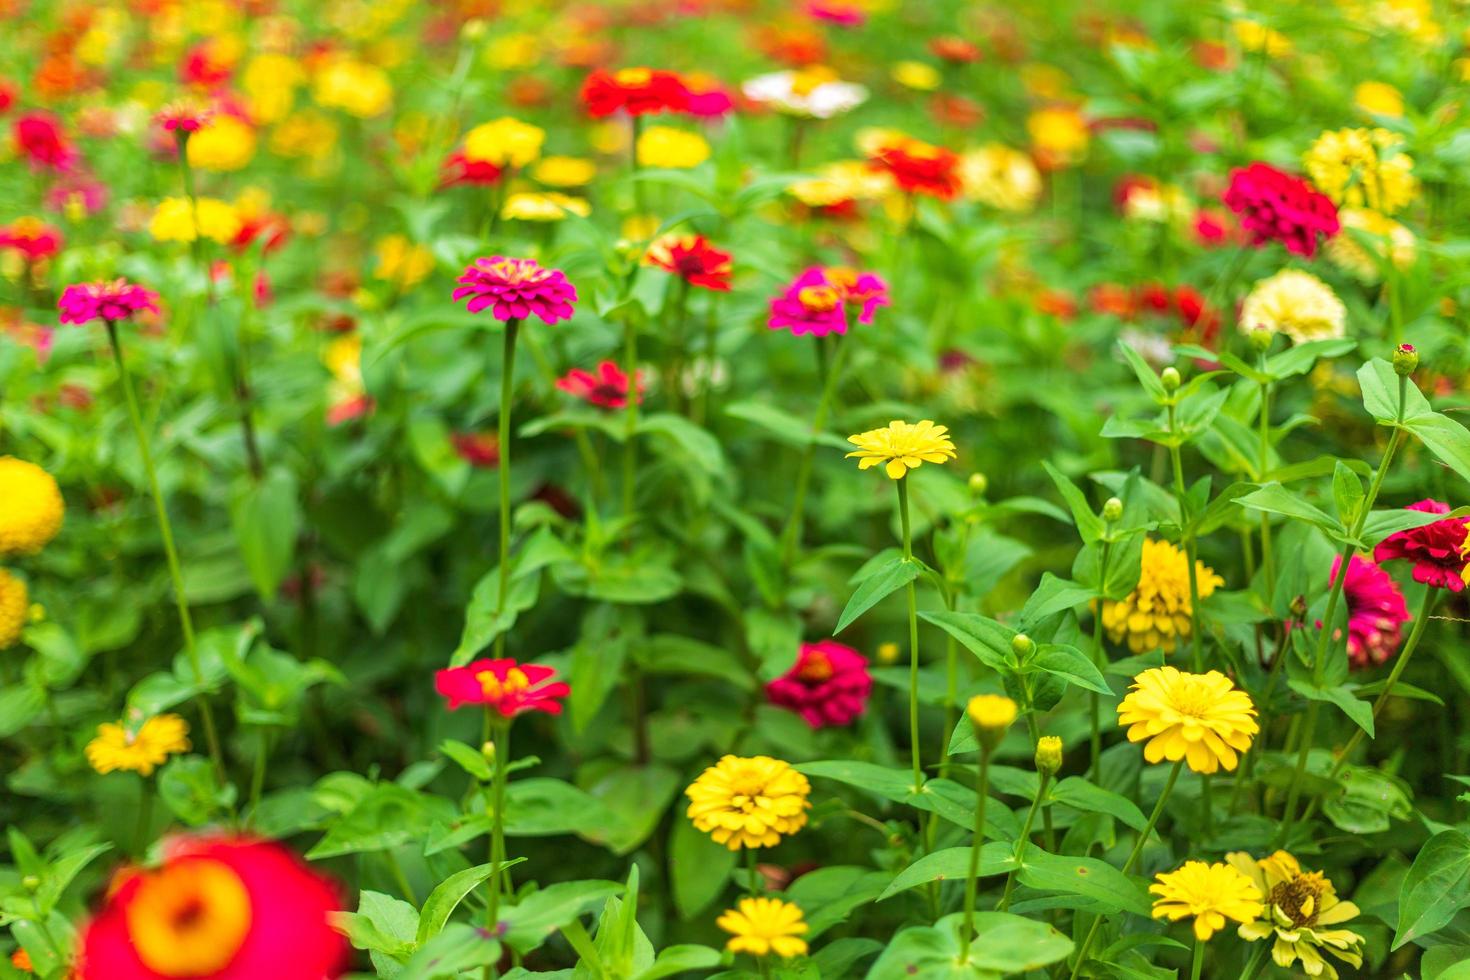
[819, 299]
[817, 668]
[806, 81]
[189, 919]
[634, 76]
[1194, 698]
[496, 687]
[1300, 899]
[516, 272]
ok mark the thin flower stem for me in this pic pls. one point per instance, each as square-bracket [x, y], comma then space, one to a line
[1023, 840]
[257, 775]
[831, 377]
[1197, 963]
[171, 554]
[500, 776]
[630, 427]
[145, 817]
[751, 875]
[1187, 537]
[1257, 960]
[908, 555]
[1098, 658]
[507, 391]
[972, 880]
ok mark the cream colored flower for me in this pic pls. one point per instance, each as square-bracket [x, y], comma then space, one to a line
[1295, 303]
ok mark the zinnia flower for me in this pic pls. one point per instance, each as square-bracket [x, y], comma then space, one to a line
[140, 746]
[749, 802]
[507, 687]
[920, 168]
[1362, 168]
[1298, 907]
[1157, 613]
[458, 169]
[606, 387]
[177, 219]
[225, 142]
[1277, 206]
[828, 686]
[183, 117]
[40, 139]
[219, 908]
[515, 289]
[1000, 177]
[636, 91]
[1376, 612]
[505, 142]
[815, 92]
[547, 206]
[675, 149]
[902, 446]
[1201, 718]
[32, 238]
[1059, 136]
[480, 449]
[1387, 240]
[109, 301]
[1295, 303]
[1208, 893]
[1437, 550]
[693, 259]
[31, 508]
[817, 301]
[15, 608]
[761, 926]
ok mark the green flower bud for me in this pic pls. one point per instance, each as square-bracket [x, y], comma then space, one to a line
[1405, 360]
[978, 484]
[1113, 510]
[1022, 646]
[1048, 754]
[1170, 378]
[1261, 338]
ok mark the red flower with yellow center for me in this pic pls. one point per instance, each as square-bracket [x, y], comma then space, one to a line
[636, 91]
[920, 168]
[693, 259]
[507, 687]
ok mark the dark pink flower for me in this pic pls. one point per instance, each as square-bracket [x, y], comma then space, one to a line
[480, 449]
[836, 12]
[183, 117]
[607, 387]
[829, 685]
[508, 687]
[111, 301]
[1435, 549]
[40, 139]
[817, 302]
[514, 289]
[459, 169]
[1375, 610]
[1275, 206]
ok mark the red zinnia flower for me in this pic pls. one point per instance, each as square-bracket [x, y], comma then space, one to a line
[503, 685]
[480, 449]
[829, 685]
[1277, 206]
[693, 259]
[32, 237]
[459, 169]
[515, 289]
[111, 301]
[955, 49]
[1375, 609]
[40, 139]
[606, 388]
[636, 91]
[1435, 549]
[219, 908]
[920, 168]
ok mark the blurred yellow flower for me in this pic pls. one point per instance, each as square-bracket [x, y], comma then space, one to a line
[549, 206]
[749, 802]
[1386, 240]
[844, 180]
[173, 220]
[307, 133]
[994, 712]
[917, 75]
[1202, 719]
[1000, 177]
[504, 142]
[1362, 168]
[514, 52]
[1157, 612]
[761, 926]
[564, 171]
[1257, 37]
[31, 507]
[355, 87]
[270, 82]
[609, 138]
[137, 748]
[902, 446]
[1207, 893]
[402, 263]
[15, 607]
[665, 146]
[1295, 303]
[1379, 98]
[1059, 135]
[224, 143]
[1046, 82]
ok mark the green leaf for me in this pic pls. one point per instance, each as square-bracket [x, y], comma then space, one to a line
[680, 959]
[1359, 711]
[266, 517]
[1070, 664]
[1366, 801]
[534, 918]
[1054, 595]
[1276, 499]
[888, 579]
[1380, 387]
[1089, 524]
[688, 440]
[1081, 795]
[485, 618]
[1089, 878]
[699, 869]
[1003, 944]
[455, 950]
[987, 639]
[1145, 373]
[1447, 439]
[471, 760]
[783, 425]
[1347, 493]
[1436, 887]
[447, 895]
[891, 784]
[951, 864]
[1299, 358]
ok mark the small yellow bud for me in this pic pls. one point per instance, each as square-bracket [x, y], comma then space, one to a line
[991, 714]
[1048, 754]
[1261, 338]
[978, 484]
[1113, 510]
[888, 653]
[488, 751]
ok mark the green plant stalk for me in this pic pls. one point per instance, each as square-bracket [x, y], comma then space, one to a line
[633, 165]
[751, 875]
[145, 817]
[499, 778]
[972, 880]
[1257, 960]
[1024, 840]
[630, 416]
[1197, 961]
[913, 601]
[831, 371]
[507, 392]
[711, 345]
[1153, 820]
[1267, 565]
[257, 775]
[1187, 537]
[171, 553]
[1094, 700]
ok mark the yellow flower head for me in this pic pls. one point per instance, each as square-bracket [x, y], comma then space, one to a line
[1059, 134]
[1000, 177]
[514, 52]
[1300, 909]
[15, 605]
[1208, 893]
[1201, 718]
[761, 926]
[139, 748]
[225, 143]
[1379, 99]
[749, 802]
[888, 653]
[1295, 303]
[550, 206]
[917, 75]
[31, 508]
[564, 171]
[173, 220]
[1362, 168]
[994, 712]
[504, 142]
[844, 180]
[355, 87]
[665, 146]
[1386, 239]
[1157, 612]
[902, 446]
[307, 133]
[403, 262]
[1255, 36]
[1049, 754]
[270, 82]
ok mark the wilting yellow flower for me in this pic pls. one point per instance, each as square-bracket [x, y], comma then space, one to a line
[403, 262]
[504, 142]
[749, 802]
[1208, 893]
[1000, 177]
[307, 133]
[916, 75]
[1059, 135]
[31, 508]
[549, 206]
[1255, 36]
[665, 146]
[355, 87]
[1362, 168]
[270, 82]
[1295, 303]
[991, 711]
[845, 180]
[1200, 718]
[15, 604]
[760, 926]
[1157, 612]
[139, 748]
[1379, 98]
[173, 220]
[1387, 239]
[564, 171]
[1299, 905]
[224, 143]
[902, 446]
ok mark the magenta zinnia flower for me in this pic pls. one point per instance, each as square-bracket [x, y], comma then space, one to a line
[1276, 206]
[504, 685]
[1375, 610]
[1435, 549]
[516, 288]
[828, 686]
[111, 301]
[606, 387]
[817, 302]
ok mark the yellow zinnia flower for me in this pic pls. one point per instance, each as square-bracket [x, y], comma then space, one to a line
[1347, 251]
[1000, 177]
[665, 146]
[1298, 905]
[992, 711]
[902, 446]
[173, 220]
[1362, 168]
[402, 262]
[270, 82]
[1295, 303]
[504, 142]
[355, 87]
[1379, 98]
[1201, 718]
[760, 926]
[1158, 610]
[844, 180]
[137, 748]
[916, 75]
[1059, 135]
[307, 133]
[1255, 36]
[749, 802]
[15, 605]
[550, 206]
[564, 171]
[1208, 893]
[31, 508]
[224, 143]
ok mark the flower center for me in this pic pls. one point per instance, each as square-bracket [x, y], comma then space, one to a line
[516, 271]
[819, 299]
[495, 688]
[817, 668]
[634, 76]
[1194, 699]
[189, 919]
[808, 80]
[1300, 898]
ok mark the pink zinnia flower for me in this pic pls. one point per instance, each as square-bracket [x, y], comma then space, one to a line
[183, 118]
[480, 449]
[40, 139]
[459, 169]
[1435, 549]
[32, 238]
[503, 685]
[836, 12]
[1277, 206]
[1375, 610]
[516, 288]
[828, 686]
[110, 301]
[607, 387]
[817, 302]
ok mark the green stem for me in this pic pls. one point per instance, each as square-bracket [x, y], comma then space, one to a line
[1257, 960]
[507, 392]
[145, 817]
[831, 371]
[630, 427]
[1023, 841]
[751, 875]
[1187, 537]
[257, 776]
[497, 822]
[1198, 961]
[913, 602]
[972, 880]
[1100, 659]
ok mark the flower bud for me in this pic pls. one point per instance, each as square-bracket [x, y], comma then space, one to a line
[1022, 645]
[978, 484]
[1170, 378]
[1261, 338]
[1405, 360]
[473, 30]
[1299, 608]
[1113, 510]
[488, 751]
[991, 714]
[1048, 755]
[31, 883]
[888, 653]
